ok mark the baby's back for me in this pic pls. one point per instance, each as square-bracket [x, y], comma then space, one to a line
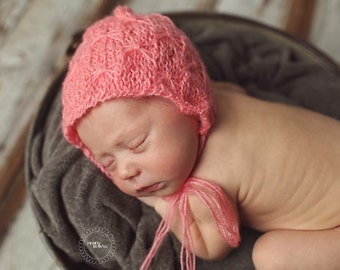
[288, 162]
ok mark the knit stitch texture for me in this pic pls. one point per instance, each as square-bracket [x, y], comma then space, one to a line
[131, 55]
[127, 55]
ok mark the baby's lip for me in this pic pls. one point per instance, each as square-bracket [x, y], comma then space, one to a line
[151, 188]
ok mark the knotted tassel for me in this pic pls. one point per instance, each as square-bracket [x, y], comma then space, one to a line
[221, 208]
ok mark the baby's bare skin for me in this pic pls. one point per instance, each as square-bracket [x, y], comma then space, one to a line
[280, 164]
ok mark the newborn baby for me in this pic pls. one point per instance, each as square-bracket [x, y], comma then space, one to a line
[277, 163]
[150, 129]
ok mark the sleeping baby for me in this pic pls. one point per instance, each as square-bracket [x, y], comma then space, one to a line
[138, 101]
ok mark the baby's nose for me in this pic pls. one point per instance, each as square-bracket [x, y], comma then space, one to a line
[127, 171]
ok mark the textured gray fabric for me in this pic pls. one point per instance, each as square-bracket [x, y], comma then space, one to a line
[69, 195]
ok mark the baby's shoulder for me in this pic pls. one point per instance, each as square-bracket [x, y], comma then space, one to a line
[220, 159]
[226, 158]
[236, 109]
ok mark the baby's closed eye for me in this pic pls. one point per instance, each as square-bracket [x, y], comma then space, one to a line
[137, 143]
[109, 164]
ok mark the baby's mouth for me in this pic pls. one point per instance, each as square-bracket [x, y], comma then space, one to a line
[151, 188]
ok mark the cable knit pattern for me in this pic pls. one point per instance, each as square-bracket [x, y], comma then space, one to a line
[131, 55]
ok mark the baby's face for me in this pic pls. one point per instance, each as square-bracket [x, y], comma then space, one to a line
[146, 145]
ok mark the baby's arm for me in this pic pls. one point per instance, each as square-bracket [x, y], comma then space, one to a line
[207, 242]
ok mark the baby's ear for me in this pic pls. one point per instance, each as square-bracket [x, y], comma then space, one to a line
[77, 38]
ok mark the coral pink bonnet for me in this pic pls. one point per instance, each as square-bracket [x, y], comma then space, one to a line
[131, 55]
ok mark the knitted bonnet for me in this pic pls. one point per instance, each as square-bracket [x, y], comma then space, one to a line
[131, 55]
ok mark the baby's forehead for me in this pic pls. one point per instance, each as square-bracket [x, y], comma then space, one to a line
[127, 108]
[132, 106]
[124, 119]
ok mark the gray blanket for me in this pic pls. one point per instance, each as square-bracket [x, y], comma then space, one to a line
[71, 198]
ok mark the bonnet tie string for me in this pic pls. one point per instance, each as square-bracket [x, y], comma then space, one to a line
[221, 208]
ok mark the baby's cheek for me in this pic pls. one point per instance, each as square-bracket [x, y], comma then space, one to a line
[172, 165]
[158, 163]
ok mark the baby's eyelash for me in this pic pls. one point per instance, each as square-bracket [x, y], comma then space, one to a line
[138, 143]
[111, 167]
[107, 165]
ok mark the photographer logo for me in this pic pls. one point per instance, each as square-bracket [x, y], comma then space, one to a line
[97, 245]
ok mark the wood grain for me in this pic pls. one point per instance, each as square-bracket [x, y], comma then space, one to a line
[147, 6]
[300, 18]
[10, 14]
[34, 37]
